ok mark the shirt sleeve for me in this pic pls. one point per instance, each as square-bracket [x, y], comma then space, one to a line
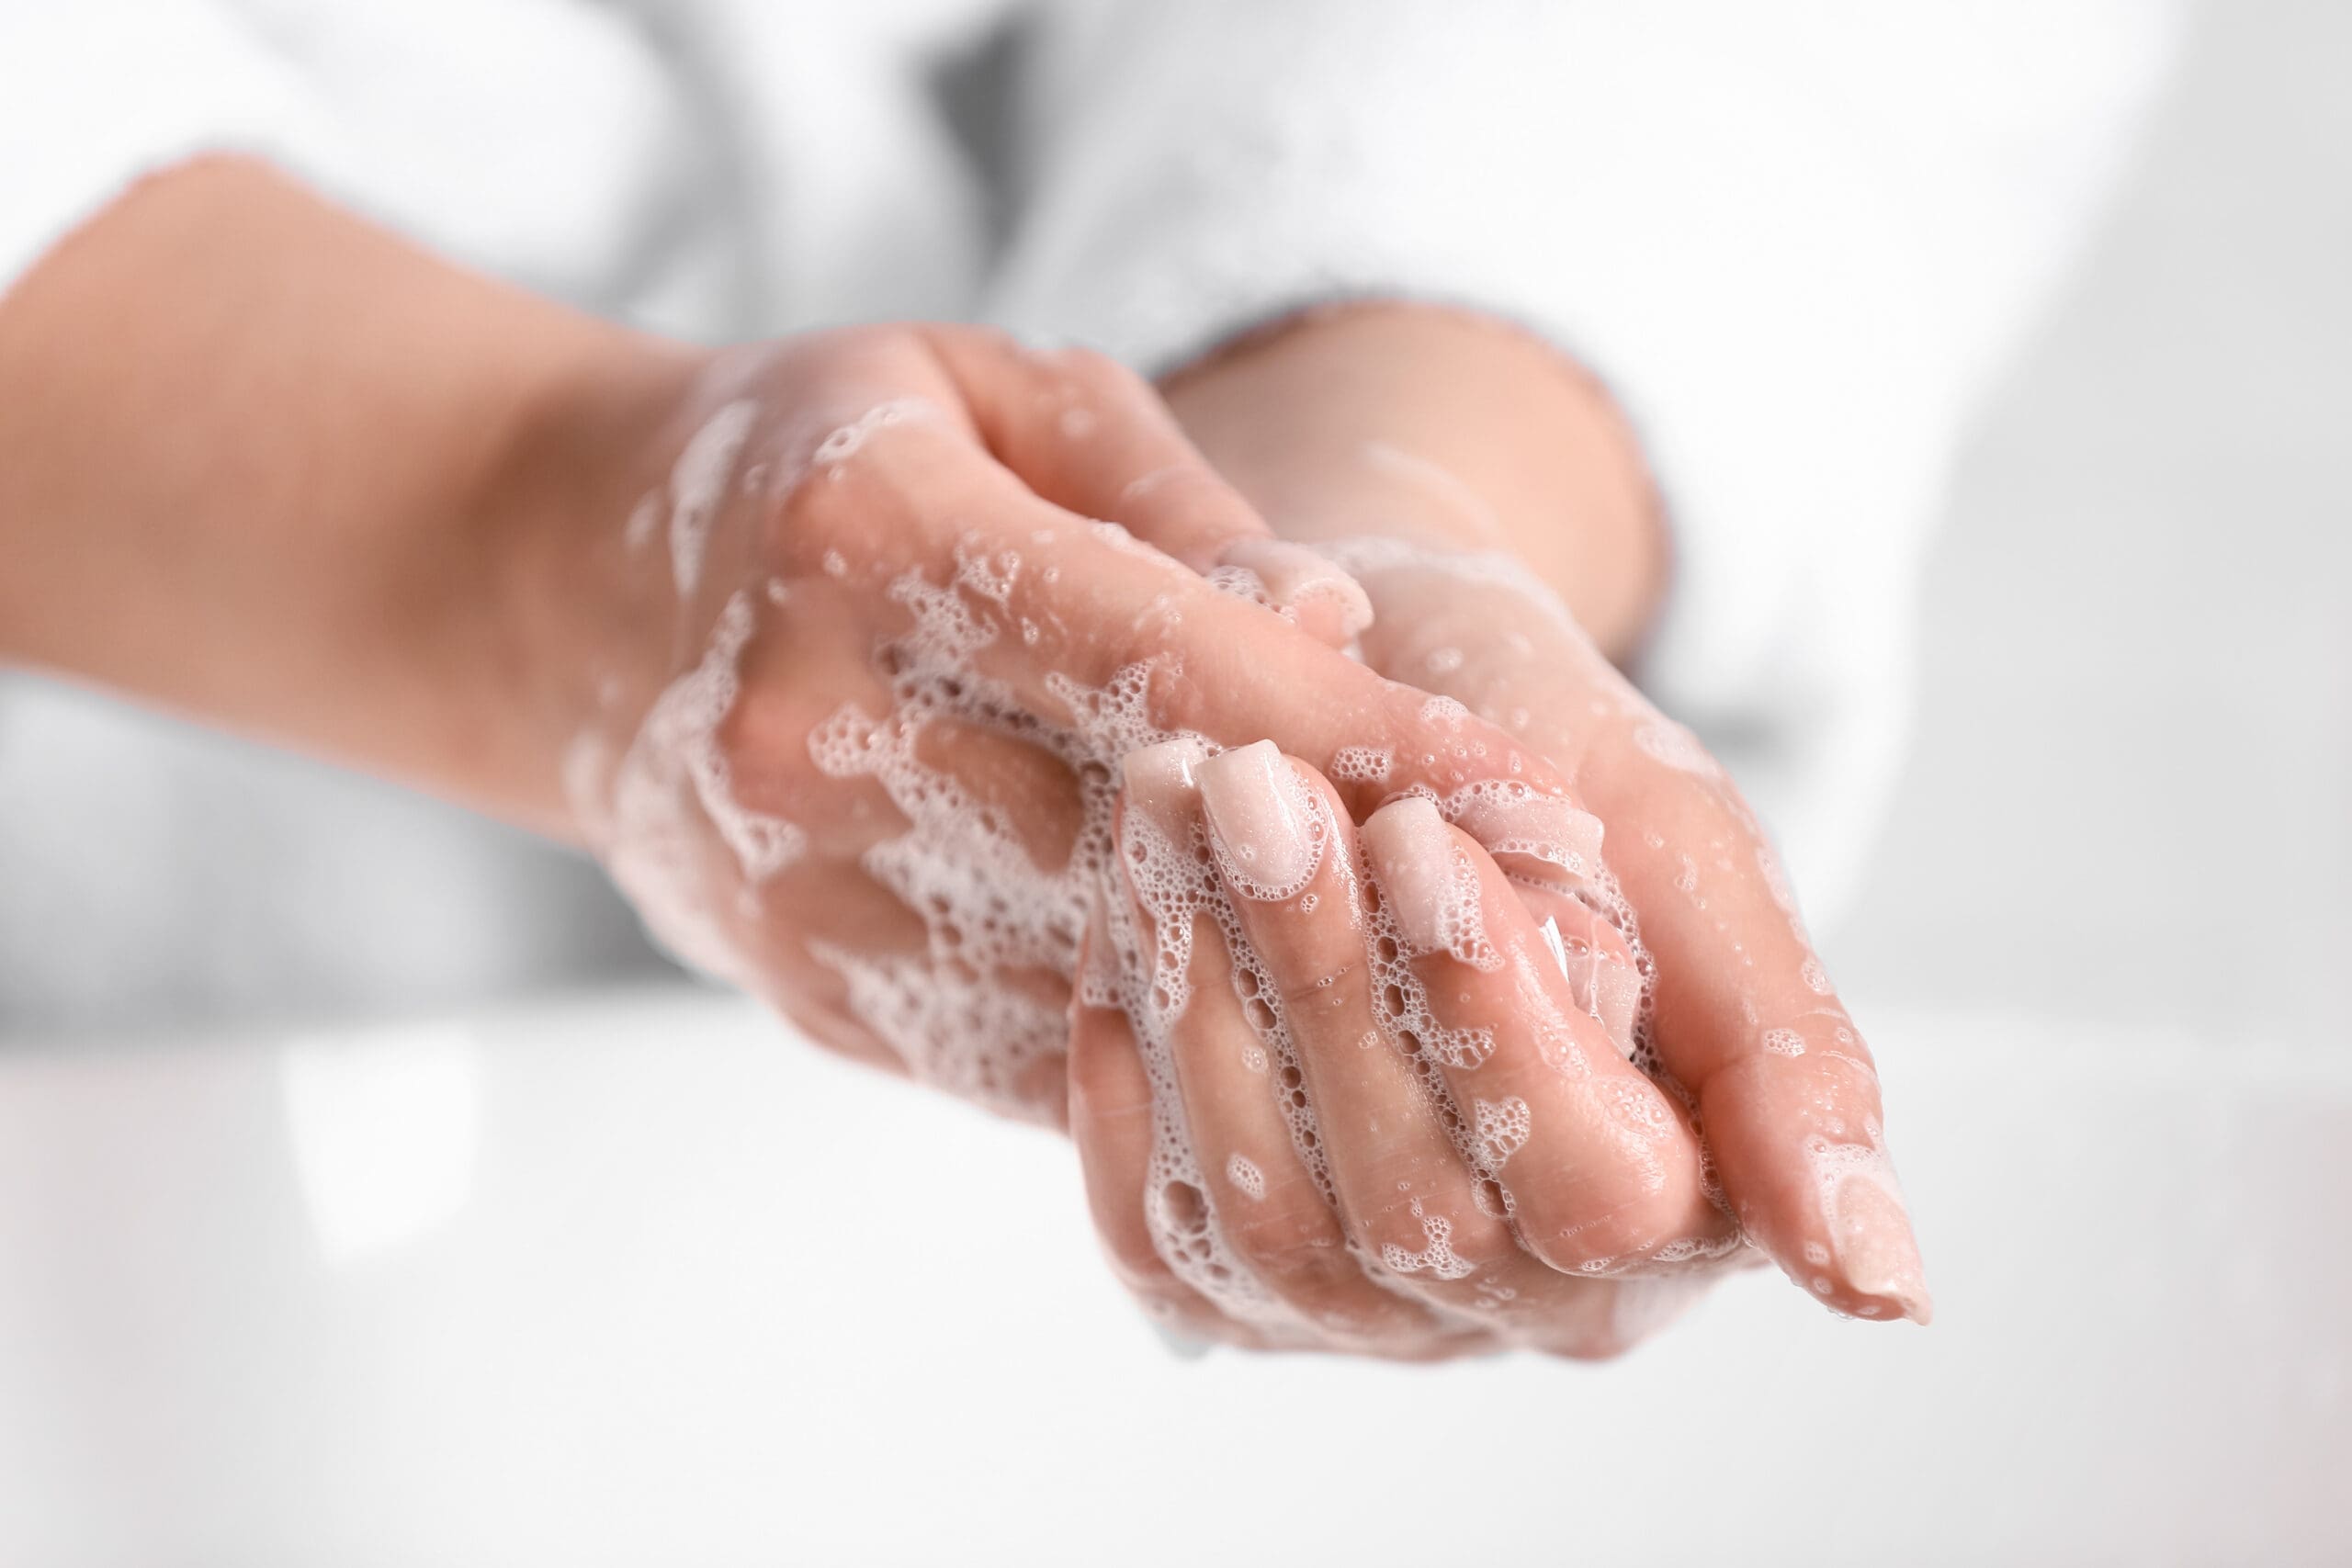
[1794, 240]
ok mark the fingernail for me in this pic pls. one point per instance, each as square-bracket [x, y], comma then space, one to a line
[1413, 855]
[1162, 782]
[1266, 838]
[1871, 1236]
[1294, 575]
[1513, 818]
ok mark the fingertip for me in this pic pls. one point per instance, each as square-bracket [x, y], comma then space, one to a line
[1163, 781]
[1872, 1244]
[1269, 837]
[1642, 1306]
[1803, 1161]
[1416, 862]
[1547, 838]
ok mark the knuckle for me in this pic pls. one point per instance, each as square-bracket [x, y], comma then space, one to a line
[1567, 1235]
[1136, 1262]
[1576, 1320]
[1622, 1314]
[1428, 1242]
[1187, 507]
[1145, 641]
[1178, 489]
[1287, 1234]
[1151, 648]
[1310, 976]
[1298, 1250]
[807, 520]
[1102, 1089]
[762, 739]
[1588, 1342]
[1094, 372]
[1176, 705]
[1126, 1240]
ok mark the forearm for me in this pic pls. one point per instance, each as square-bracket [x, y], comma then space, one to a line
[255, 466]
[1442, 426]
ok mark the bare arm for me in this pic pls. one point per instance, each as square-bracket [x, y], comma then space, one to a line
[252, 451]
[1426, 448]
[1445, 427]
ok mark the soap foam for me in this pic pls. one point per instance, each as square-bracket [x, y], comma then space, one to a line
[651, 832]
[1436, 1256]
[1245, 1176]
[990, 912]
[698, 485]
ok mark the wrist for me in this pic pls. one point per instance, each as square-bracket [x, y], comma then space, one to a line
[1453, 430]
[581, 614]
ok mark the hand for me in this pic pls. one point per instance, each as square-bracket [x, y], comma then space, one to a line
[854, 671]
[1478, 487]
[1372, 1092]
[1742, 1017]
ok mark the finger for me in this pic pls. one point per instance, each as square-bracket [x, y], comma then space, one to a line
[1091, 436]
[1603, 971]
[1296, 584]
[1391, 1136]
[1245, 1111]
[1583, 1151]
[1746, 1019]
[1738, 993]
[912, 520]
[1046, 602]
[1111, 1124]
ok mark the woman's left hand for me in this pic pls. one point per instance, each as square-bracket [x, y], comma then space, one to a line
[1495, 509]
[1743, 1019]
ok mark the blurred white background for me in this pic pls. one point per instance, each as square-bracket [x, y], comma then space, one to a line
[2130, 795]
[630, 1280]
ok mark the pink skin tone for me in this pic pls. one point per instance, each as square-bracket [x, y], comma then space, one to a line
[269, 468]
[1590, 1165]
[862, 924]
[265, 465]
[1746, 1018]
[1607, 1219]
[1495, 509]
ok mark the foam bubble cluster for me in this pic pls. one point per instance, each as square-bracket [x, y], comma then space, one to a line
[1246, 1177]
[652, 837]
[697, 486]
[964, 1010]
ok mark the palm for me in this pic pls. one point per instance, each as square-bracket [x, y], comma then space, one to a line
[1741, 1017]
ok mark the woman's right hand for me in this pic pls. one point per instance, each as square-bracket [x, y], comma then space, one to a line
[855, 632]
[1361, 1089]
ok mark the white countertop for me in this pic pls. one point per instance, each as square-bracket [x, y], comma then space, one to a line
[634, 1278]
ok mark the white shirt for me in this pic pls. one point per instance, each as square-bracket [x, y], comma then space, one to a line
[1795, 240]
